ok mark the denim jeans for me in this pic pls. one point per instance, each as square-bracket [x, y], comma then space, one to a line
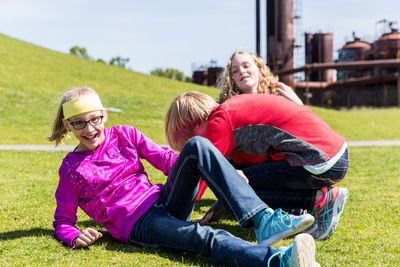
[166, 224]
[282, 186]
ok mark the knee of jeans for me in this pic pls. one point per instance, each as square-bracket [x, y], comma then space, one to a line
[197, 142]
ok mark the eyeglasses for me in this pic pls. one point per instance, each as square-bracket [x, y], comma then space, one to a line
[79, 125]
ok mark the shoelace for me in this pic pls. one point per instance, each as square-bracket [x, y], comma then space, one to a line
[281, 254]
[284, 215]
[325, 214]
[323, 217]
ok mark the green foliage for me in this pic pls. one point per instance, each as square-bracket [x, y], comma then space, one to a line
[119, 61]
[171, 74]
[80, 52]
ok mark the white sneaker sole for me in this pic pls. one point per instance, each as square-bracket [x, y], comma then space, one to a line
[303, 252]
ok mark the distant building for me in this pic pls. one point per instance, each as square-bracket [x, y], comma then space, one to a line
[367, 74]
[207, 75]
[371, 85]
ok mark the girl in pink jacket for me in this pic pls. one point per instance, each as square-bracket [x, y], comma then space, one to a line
[106, 179]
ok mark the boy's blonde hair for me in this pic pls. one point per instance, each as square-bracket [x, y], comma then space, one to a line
[186, 111]
[59, 131]
[228, 87]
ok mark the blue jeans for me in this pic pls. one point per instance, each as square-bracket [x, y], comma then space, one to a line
[282, 186]
[166, 224]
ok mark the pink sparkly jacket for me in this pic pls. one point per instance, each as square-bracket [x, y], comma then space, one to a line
[109, 184]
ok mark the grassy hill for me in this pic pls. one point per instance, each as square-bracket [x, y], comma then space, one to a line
[32, 80]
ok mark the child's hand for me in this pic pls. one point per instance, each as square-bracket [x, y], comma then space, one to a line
[213, 214]
[287, 91]
[86, 238]
[243, 176]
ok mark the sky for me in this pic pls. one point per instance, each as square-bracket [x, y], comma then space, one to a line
[179, 34]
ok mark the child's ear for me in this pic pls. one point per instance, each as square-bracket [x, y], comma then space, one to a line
[105, 116]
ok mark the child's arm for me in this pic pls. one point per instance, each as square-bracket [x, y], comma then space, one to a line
[160, 157]
[65, 214]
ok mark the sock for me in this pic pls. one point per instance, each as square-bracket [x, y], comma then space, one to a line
[257, 218]
[321, 199]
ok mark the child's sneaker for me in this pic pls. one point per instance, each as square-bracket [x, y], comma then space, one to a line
[300, 254]
[327, 212]
[276, 225]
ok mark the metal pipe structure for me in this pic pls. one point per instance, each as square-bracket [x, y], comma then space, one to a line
[280, 37]
[348, 65]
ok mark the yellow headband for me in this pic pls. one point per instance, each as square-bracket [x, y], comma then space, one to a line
[82, 105]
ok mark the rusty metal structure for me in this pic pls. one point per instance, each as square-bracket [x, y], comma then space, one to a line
[355, 50]
[319, 49]
[368, 74]
[207, 75]
[280, 36]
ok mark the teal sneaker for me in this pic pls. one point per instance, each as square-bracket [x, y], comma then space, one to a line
[276, 225]
[328, 211]
[300, 254]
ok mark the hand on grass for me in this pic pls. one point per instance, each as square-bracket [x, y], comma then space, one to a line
[213, 214]
[287, 91]
[86, 238]
[206, 218]
[218, 209]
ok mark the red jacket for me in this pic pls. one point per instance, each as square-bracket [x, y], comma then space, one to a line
[255, 128]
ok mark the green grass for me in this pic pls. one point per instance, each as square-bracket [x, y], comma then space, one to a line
[367, 235]
[361, 124]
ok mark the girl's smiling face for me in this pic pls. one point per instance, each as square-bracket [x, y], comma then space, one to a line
[92, 134]
[245, 73]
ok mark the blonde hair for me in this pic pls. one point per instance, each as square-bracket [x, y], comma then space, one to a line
[228, 87]
[186, 111]
[59, 131]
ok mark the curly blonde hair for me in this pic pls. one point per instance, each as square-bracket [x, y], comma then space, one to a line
[228, 87]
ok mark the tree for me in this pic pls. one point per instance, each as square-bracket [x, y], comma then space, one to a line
[80, 52]
[169, 73]
[119, 61]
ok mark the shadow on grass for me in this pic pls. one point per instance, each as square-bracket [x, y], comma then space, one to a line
[113, 244]
[38, 232]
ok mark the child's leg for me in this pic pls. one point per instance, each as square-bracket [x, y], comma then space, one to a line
[156, 228]
[324, 202]
[281, 185]
[200, 158]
